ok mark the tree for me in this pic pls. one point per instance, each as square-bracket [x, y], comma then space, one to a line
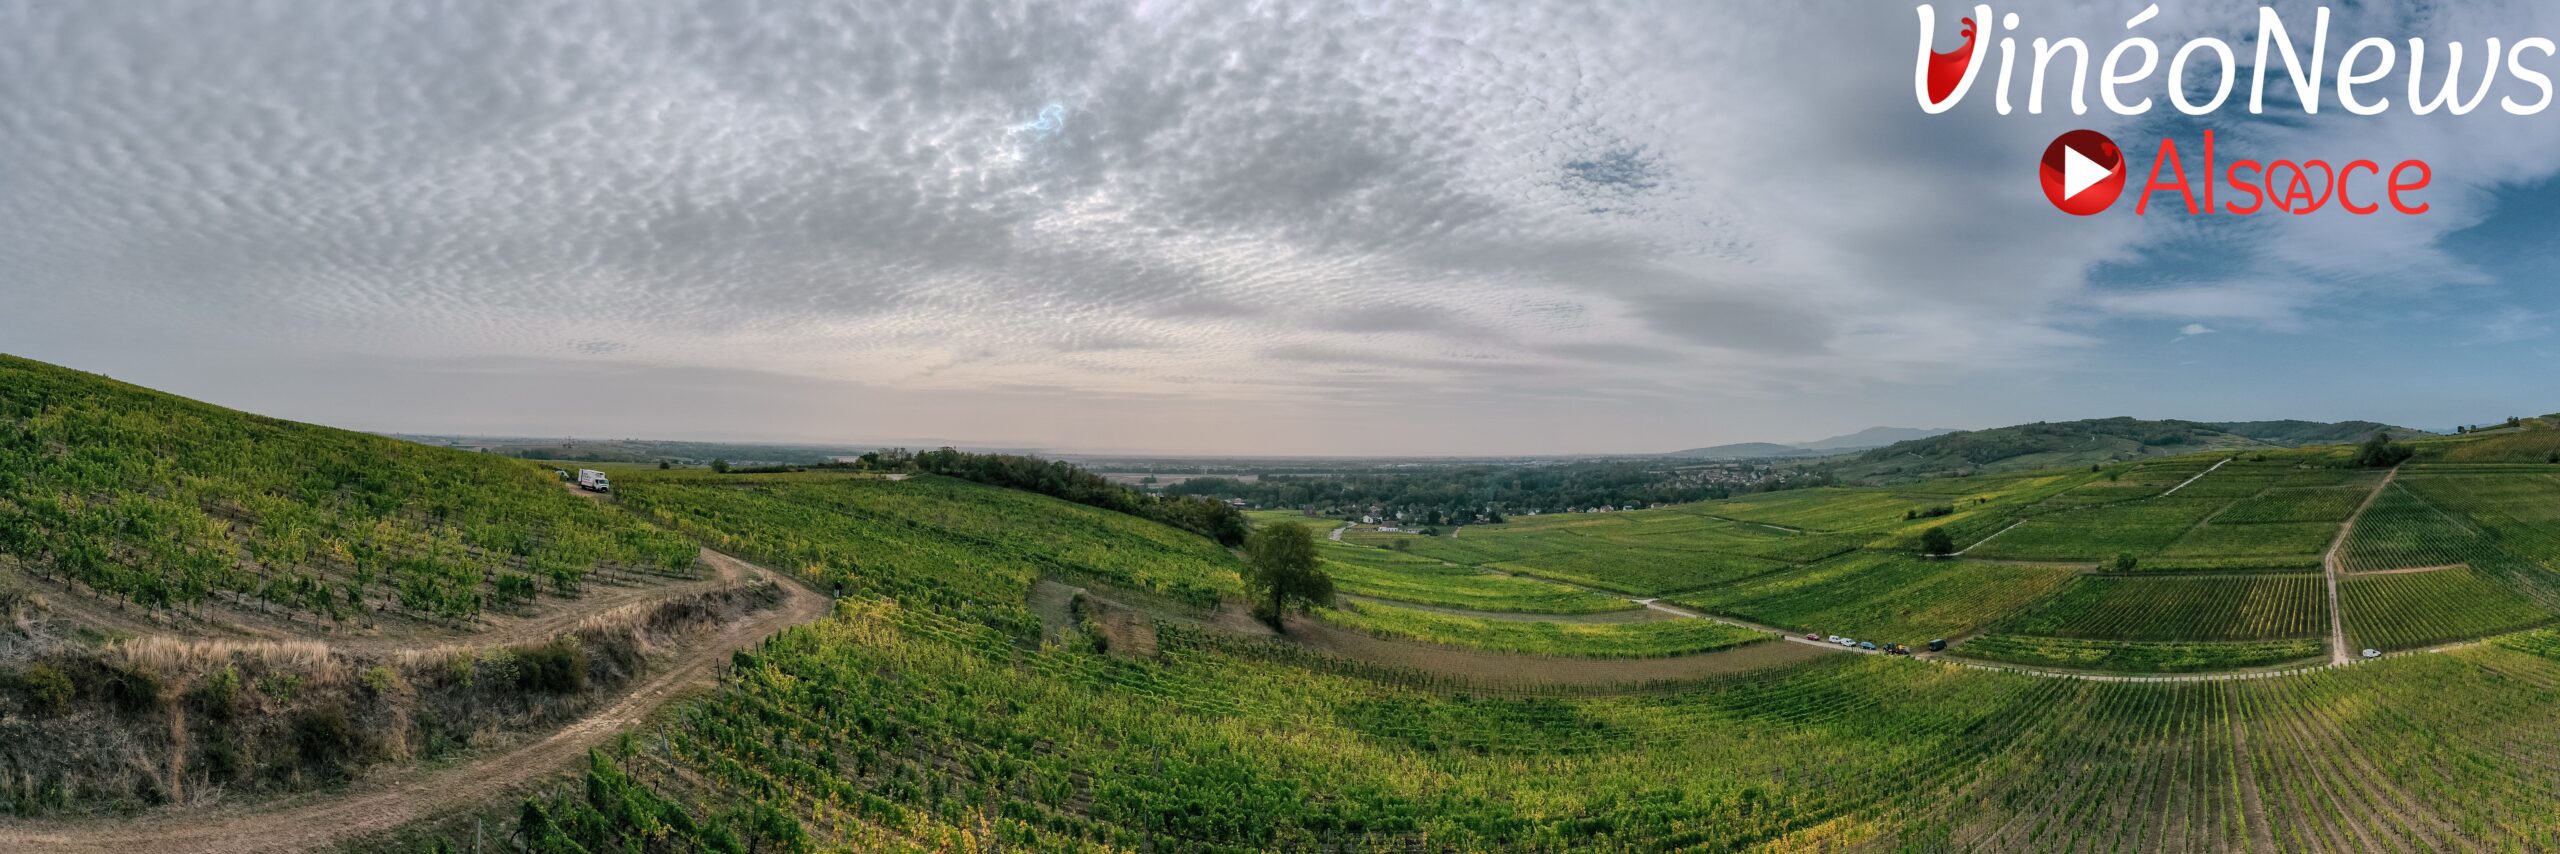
[720, 466]
[1280, 572]
[1936, 542]
[2125, 562]
[2380, 452]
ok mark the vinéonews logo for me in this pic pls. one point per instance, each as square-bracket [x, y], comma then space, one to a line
[2083, 172]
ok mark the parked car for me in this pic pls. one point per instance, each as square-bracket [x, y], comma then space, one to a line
[1938, 645]
[1813, 636]
[1848, 642]
[2373, 653]
[1870, 646]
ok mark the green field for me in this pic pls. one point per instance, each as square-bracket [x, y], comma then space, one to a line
[2141, 656]
[1649, 639]
[2403, 610]
[956, 735]
[169, 503]
[2173, 608]
[1408, 578]
[1885, 597]
[936, 707]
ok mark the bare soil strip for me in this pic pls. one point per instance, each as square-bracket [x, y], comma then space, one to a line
[2331, 567]
[1994, 535]
[1631, 615]
[2414, 569]
[2199, 476]
[320, 820]
[1539, 671]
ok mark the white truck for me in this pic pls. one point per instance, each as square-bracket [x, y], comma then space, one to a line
[593, 481]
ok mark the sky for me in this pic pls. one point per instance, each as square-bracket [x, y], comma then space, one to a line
[1383, 228]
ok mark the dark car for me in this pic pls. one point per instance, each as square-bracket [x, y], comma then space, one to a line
[1939, 645]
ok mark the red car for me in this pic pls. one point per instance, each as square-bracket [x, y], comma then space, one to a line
[1813, 636]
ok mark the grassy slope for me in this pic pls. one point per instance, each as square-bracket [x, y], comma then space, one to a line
[1589, 640]
[167, 501]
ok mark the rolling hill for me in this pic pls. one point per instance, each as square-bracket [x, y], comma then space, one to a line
[2095, 441]
[1872, 437]
[175, 505]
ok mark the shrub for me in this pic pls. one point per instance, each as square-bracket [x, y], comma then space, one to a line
[281, 686]
[218, 696]
[559, 667]
[132, 688]
[380, 680]
[48, 688]
[324, 739]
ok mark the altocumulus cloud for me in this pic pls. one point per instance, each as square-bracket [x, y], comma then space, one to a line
[1466, 208]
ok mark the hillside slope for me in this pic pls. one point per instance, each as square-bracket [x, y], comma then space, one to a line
[165, 502]
[2063, 444]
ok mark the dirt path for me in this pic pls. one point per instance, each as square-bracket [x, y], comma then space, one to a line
[2199, 476]
[2331, 567]
[1630, 615]
[320, 820]
[1759, 524]
[2409, 570]
[1502, 668]
[725, 571]
[1994, 535]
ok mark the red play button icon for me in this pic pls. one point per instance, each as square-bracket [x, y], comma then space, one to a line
[2083, 172]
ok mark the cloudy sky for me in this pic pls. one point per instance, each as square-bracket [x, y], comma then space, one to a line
[1382, 227]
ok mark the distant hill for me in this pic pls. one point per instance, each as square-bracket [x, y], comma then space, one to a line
[1874, 437]
[2096, 441]
[1745, 451]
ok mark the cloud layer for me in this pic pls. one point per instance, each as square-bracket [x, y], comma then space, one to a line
[1460, 213]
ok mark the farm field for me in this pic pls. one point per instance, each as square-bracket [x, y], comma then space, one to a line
[2099, 533]
[1648, 639]
[1885, 597]
[1410, 578]
[2412, 609]
[950, 699]
[171, 504]
[2174, 608]
[2141, 656]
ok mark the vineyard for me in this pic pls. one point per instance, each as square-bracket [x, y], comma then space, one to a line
[2141, 656]
[1885, 597]
[962, 738]
[1406, 578]
[2175, 608]
[168, 503]
[2413, 609]
[940, 706]
[1645, 639]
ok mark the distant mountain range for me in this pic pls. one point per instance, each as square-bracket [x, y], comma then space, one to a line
[1872, 437]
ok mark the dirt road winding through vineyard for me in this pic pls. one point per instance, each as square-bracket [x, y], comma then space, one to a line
[2332, 568]
[327, 819]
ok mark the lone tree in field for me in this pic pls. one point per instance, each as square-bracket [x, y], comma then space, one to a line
[1936, 542]
[2380, 452]
[1280, 572]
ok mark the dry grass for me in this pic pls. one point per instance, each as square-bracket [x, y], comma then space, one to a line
[164, 654]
